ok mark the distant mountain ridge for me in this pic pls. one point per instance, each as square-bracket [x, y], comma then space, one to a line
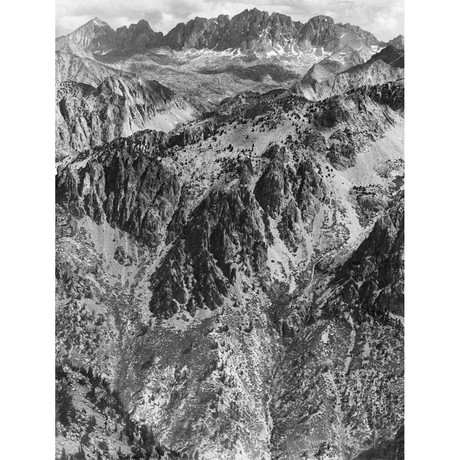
[98, 38]
[250, 30]
[332, 76]
[199, 63]
[397, 42]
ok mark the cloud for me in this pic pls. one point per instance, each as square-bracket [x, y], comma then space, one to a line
[384, 18]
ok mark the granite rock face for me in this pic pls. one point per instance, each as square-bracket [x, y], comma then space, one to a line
[197, 33]
[120, 185]
[137, 38]
[256, 30]
[319, 30]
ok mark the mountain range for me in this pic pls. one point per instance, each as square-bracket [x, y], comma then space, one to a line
[204, 61]
[249, 30]
[230, 241]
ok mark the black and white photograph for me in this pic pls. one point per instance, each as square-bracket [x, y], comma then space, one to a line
[229, 230]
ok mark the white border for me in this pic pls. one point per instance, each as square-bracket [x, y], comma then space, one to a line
[432, 248]
[27, 229]
[432, 223]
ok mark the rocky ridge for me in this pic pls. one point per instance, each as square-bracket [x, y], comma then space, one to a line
[202, 62]
[237, 282]
[97, 38]
[88, 116]
[332, 76]
[250, 30]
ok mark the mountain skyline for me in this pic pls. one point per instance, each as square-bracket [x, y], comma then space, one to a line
[383, 19]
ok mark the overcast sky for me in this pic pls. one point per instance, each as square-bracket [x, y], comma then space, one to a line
[384, 18]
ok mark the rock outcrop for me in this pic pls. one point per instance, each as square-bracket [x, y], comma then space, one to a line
[88, 116]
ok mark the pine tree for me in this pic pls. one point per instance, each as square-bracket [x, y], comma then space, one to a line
[85, 440]
[81, 453]
[91, 424]
[65, 410]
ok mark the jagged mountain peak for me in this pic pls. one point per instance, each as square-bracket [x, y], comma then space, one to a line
[141, 25]
[94, 25]
[391, 55]
[253, 11]
[319, 23]
[321, 19]
[318, 30]
[249, 30]
[255, 14]
[260, 17]
[143, 22]
[397, 42]
[196, 33]
[398, 38]
[93, 37]
[98, 22]
[136, 38]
